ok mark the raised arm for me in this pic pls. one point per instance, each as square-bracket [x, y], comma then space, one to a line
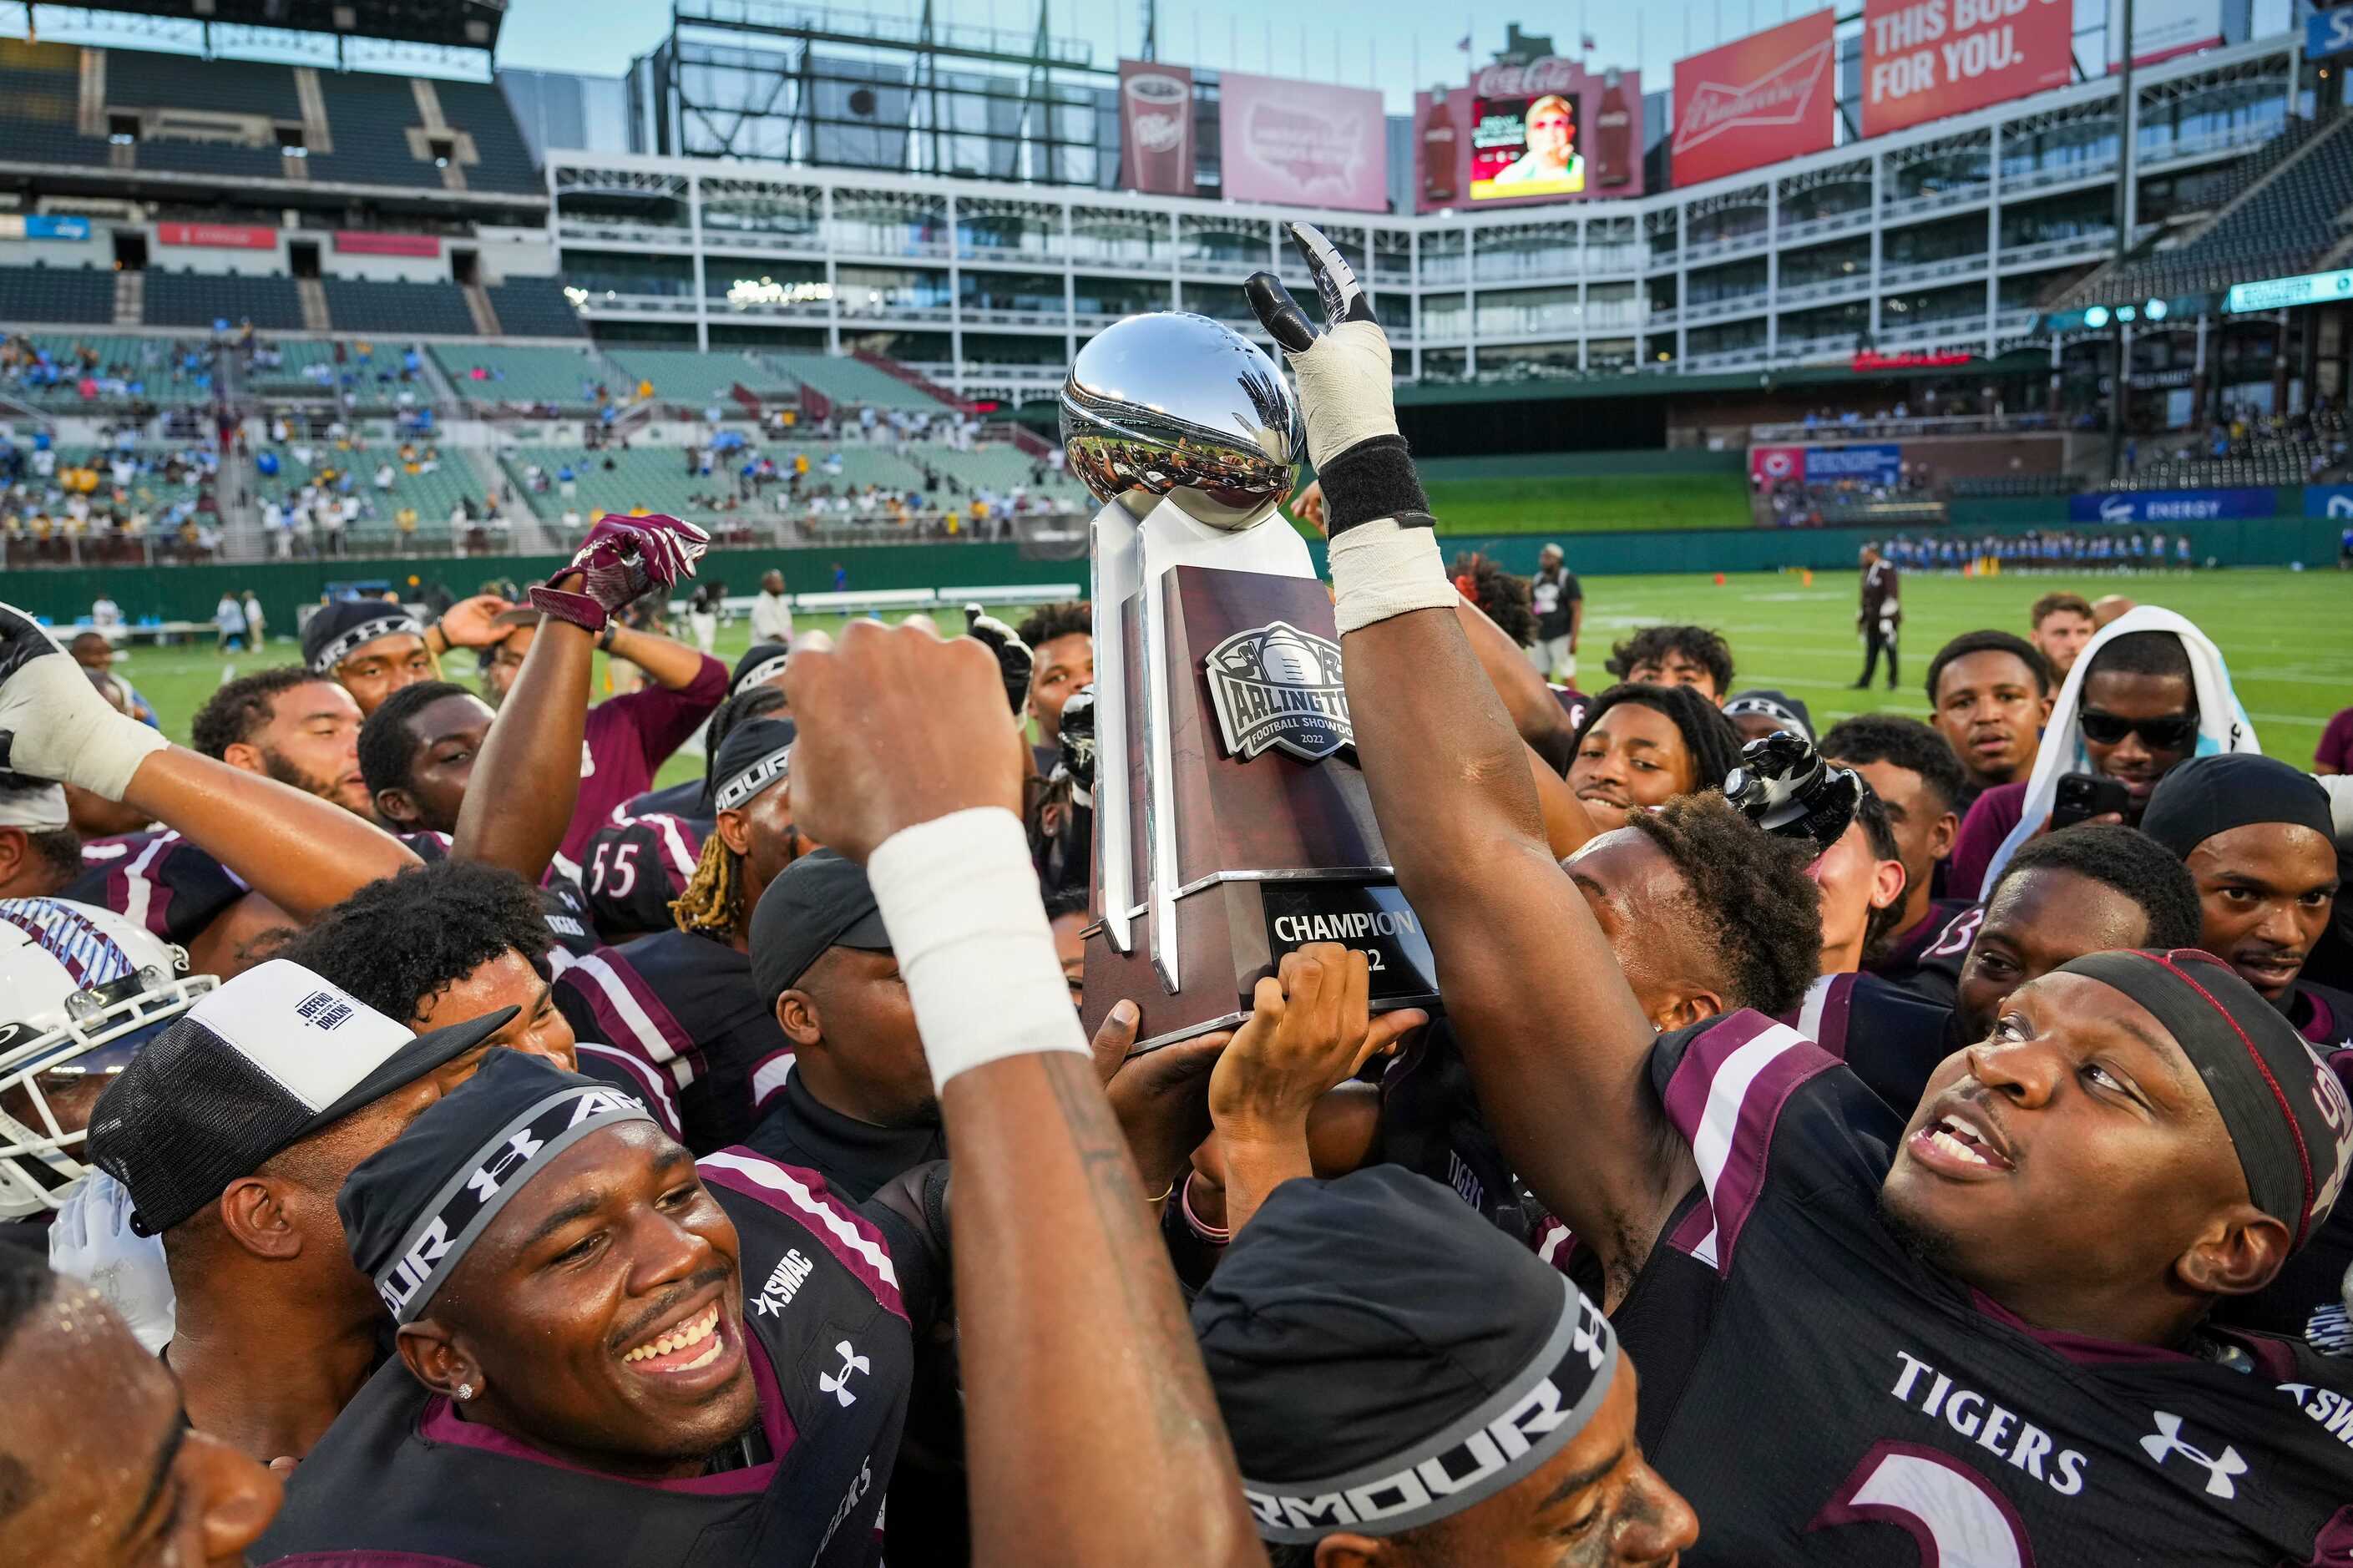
[1527, 694]
[300, 852]
[527, 780]
[1077, 1359]
[672, 664]
[1556, 1045]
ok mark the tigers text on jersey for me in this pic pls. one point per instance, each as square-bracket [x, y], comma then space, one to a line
[1776, 1302]
[684, 1006]
[830, 1296]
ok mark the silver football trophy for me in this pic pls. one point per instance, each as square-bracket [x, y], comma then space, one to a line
[1231, 825]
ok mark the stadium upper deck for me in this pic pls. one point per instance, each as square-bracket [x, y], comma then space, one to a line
[1953, 236]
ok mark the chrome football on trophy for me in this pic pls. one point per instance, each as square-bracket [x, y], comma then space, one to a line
[1231, 825]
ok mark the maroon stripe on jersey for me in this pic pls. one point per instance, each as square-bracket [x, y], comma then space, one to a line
[645, 1078]
[1726, 1097]
[628, 1007]
[134, 892]
[801, 1197]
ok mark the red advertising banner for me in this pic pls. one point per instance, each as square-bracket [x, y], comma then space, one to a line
[1769, 466]
[1757, 100]
[1520, 134]
[217, 236]
[352, 242]
[1156, 128]
[1923, 59]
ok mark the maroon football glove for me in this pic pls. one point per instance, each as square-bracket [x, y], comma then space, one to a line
[621, 558]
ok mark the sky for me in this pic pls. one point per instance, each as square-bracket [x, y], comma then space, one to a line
[1359, 43]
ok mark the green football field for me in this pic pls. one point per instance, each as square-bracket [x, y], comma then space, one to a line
[1596, 502]
[2289, 637]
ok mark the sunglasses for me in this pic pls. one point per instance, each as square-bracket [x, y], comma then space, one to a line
[2169, 732]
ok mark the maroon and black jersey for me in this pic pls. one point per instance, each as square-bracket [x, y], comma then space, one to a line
[1891, 1037]
[1927, 959]
[832, 1297]
[683, 1006]
[635, 866]
[158, 882]
[1937, 1427]
[560, 901]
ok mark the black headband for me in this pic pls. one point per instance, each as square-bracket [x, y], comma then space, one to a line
[412, 1210]
[750, 780]
[336, 650]
[1504, 1441]
[2283, 1107]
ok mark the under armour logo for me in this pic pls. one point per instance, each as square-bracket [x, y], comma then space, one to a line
[2166, 1442]
[839, 1386]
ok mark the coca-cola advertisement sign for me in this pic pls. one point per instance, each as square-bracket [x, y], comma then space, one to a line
[1543, 130]
[1303, 143]
[1756, 100]
[1156, 128]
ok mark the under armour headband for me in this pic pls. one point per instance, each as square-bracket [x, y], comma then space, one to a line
[335, 631]
[412, 1210]
[1384, 1358]
[2285, 1112]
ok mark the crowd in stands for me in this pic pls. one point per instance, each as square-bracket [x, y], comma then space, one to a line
[125, 502]
[137, 371]
[2046, 549]
[2302, 447]
[1709, 1141]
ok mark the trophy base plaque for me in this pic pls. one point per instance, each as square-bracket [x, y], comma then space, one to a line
[1247, 757]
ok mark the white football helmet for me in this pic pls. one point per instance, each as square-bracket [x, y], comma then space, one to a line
[81, 989]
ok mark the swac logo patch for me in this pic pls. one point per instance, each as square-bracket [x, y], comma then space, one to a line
[1278, 687]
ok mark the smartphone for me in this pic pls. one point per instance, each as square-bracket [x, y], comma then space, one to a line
[2083, 796]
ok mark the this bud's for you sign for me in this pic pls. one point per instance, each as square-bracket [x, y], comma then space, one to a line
[1923, 59]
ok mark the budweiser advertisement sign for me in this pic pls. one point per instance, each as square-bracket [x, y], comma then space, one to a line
[1156, 128]
[1923, 59]
[1756, 100]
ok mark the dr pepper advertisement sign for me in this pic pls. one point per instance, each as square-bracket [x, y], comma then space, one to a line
[1756, 100]
[1923, 59]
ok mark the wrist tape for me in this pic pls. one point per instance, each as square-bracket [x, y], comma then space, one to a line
[1371, 479]
[1384, 568]
[959, 897]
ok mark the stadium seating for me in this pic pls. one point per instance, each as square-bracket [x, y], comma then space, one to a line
[200, 299]
[564, 378]
[2285, 463]
[853, 382]
[370, 305]
[434, 495]
[684, 376]
[151, 365]
[40, 99]
[36, 294]
[369, 369]
[2281, 229]
[535, 308]
[369, 118]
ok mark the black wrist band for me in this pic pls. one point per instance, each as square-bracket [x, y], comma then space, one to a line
[1373, 479]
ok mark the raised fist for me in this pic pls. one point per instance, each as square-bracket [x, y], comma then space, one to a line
[1077, 739]
[1014, 657]
[622, 558]
[53, 723]
[1783, 787]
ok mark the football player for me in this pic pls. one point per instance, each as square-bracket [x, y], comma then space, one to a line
[1913, 772]
[290, 725]
[1990, 1321]
[238, 856]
